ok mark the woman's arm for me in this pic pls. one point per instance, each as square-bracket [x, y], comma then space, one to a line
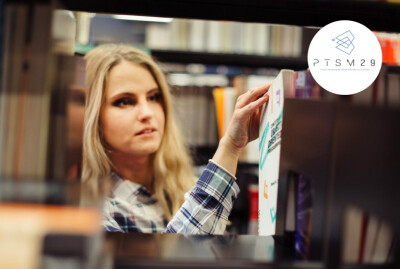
[208, 205]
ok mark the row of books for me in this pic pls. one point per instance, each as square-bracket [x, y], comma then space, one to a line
[204, 103]
[194, 106]
[25, 91]
[33, 99]
[33, 141]
[366, 238]
[220, 69]
[383, 92]
[225, 37]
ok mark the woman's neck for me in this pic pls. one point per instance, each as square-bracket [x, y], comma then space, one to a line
[138, 169]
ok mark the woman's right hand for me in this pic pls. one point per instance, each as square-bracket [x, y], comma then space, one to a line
[243, 128]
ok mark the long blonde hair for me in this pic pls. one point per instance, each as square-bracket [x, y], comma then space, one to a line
[173, 174]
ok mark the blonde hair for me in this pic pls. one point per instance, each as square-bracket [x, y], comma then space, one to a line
[173, 174]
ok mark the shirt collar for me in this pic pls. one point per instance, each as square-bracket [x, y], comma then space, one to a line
[124, 188]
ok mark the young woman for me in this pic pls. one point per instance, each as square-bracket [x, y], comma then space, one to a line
[130, 135]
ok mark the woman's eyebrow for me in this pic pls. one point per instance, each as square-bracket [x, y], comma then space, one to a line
[130, 94]
[122, 94]
[153, 90]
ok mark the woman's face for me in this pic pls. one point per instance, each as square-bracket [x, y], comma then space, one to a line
[132, 116]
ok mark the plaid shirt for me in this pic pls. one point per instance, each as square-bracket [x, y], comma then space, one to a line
[207, 205]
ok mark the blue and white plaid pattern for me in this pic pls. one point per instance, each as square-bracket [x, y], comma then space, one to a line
[131, 208]
[205, 210]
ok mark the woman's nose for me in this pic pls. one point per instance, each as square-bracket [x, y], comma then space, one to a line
[145, 111]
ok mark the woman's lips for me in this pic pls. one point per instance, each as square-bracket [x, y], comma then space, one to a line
[146, 132]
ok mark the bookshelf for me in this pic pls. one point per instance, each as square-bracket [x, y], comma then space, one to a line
[351, 155]
[376, 15]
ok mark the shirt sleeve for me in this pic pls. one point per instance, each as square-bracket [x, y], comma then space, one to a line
[207, 205]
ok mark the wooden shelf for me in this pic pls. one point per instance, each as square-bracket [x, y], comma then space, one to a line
[296, 63]
[393, 69]
[376, 15]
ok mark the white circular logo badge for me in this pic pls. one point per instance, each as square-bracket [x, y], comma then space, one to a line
[344, 57]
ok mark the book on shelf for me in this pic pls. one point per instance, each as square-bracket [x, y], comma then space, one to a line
[253, 209]
[366, 238]
[2, 30]
[33, 97]
[393, 89]
[197, 31]
[303, 214]
[25, 91]
[227, 37]
[269, 150]
[179, 34]
[14, 47]
[194, 106]
[158, 36]
[306, 86]
[383, 92]
[225, 98]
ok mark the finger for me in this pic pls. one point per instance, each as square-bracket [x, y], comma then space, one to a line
[250, 108]
[252, 95]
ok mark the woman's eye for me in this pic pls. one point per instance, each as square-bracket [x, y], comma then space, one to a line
[155, 97]
[124, 102]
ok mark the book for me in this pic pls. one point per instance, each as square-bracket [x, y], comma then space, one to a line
[2, 7]
[253, 204]
[195, 108]
[158, 36]
[371, 237]
[366, 238]
[15, 47]
[214, 37]
[34, 150]
[179, 34]
[393, 90]
[352, 234]
[384, 243]
[269, 150]
[218, 94]
[306, 86]
[197, 35]
[303, 213]
[261, 46]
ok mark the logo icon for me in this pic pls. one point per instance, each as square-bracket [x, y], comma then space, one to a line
[272, 213]
[345, 42]
[344, 57]
[265, 189]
